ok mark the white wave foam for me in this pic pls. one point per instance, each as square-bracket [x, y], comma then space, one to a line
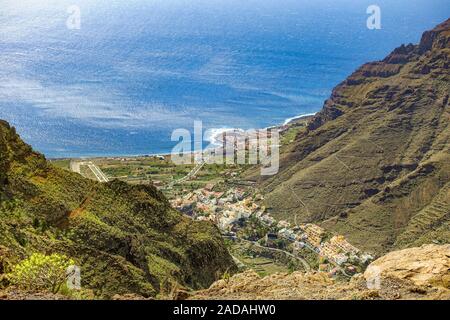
[289, 120]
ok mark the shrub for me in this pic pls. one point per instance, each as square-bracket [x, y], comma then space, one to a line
[226, 276]
[41, 272]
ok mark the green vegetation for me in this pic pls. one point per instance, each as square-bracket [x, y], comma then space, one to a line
[161, 172]
[41, 272]
[255, 260]
[289, 135]
[253, 229]
[126, 238]
[61, 163]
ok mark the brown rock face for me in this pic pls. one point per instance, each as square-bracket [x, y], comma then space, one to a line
[436, 38]
[427, 265]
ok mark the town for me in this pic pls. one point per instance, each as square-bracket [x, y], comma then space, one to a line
[240, 216]
[218, 193]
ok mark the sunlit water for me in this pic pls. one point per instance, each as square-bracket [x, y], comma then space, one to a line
[137, 70]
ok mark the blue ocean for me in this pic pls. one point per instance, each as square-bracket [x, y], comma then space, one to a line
[136, 70]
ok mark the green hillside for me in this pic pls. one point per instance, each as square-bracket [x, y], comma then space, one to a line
[127, 239]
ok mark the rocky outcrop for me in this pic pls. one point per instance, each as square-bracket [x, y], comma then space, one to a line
[435, 40]
[427, 265]
[416, 273]
[438, 38]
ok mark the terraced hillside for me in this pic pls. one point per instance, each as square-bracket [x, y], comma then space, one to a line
[374, 164]
[127, 239]
[430, 223]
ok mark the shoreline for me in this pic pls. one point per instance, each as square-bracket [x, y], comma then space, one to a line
[217, 141]
[213, 139]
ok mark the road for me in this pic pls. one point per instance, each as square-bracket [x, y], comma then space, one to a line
[101, 177]
[75, 166]
[316, 251]
[192, 173]
[303, 261]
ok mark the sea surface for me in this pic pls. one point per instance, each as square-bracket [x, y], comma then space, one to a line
[137, 70]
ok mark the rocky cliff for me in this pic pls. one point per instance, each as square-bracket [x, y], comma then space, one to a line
[374, 164]
[127, 239]
[427, 265]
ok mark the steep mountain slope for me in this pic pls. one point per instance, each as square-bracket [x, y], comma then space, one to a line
[127, 239]
[374, 164]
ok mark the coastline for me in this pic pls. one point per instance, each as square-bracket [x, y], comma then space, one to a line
[217, 141]
[213, 138]
[299, 117]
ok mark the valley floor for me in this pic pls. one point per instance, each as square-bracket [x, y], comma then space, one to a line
[219, 194]
[276, 259]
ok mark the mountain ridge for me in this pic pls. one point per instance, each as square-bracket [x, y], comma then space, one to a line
[377, 154]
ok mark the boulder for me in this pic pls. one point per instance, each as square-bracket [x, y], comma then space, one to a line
[424, 266]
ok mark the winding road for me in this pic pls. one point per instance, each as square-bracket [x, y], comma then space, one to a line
[303, 261]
